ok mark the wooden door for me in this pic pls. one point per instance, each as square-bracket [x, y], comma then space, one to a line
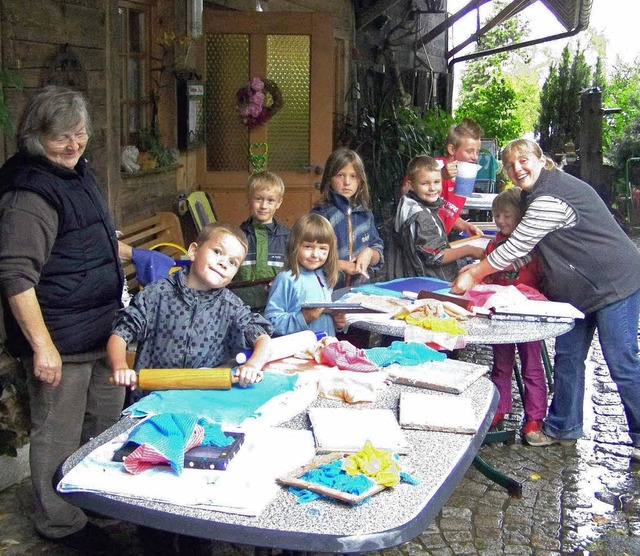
[294, 51]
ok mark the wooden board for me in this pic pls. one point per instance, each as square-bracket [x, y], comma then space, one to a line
[347, 430]
[449, 375]
[432, 412]
[293, 479]
[476, 241]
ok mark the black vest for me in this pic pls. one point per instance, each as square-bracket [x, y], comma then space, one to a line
[593, 263]
[81, 283]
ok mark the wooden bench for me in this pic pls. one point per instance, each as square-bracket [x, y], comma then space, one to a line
[162, 231]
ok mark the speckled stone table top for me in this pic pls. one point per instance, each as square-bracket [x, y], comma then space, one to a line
[482, 330]
[438, 460]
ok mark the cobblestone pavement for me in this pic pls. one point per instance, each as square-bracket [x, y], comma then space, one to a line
[582, 499]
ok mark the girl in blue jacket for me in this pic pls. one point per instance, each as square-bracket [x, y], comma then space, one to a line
[311, 271]
[346, 203]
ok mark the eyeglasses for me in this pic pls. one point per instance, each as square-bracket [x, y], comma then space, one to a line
[63, 139]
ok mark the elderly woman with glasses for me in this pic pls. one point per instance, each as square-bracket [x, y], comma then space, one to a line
[61, 283]
[588, 261]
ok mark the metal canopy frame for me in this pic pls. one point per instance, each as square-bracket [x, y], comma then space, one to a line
[572, 14]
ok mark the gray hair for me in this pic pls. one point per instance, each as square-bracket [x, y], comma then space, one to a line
[53, 111]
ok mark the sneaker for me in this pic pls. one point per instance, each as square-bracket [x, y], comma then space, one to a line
[635, 455]
[539, 438]
[532, 426]
[90, 540]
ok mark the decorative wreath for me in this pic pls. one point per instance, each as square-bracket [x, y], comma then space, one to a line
[258, 102]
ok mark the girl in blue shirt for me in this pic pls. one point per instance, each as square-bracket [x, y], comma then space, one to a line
[346, 203]
[311, 271]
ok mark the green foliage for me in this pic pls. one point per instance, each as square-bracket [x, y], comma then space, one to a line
[627, 144]
[599, 78]
[500, 104]
[496, 108]
[387, 141]
[620, 130]
[559, 121]
[7, 79]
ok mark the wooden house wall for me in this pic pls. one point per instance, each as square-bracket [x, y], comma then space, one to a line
[33, 32]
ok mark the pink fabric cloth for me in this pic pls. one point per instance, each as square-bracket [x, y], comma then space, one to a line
[145, 455]
[347, 357]
[479, 295]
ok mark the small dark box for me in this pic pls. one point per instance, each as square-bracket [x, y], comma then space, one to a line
[200, 457]
[213, 457]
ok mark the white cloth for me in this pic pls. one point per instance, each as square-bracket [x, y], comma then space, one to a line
[245, 487]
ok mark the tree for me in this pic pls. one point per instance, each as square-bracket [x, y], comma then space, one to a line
[559, 121]
[496, 108]
[490, 92]
[622, 91]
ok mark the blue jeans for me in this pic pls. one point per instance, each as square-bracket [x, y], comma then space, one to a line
[617, 326]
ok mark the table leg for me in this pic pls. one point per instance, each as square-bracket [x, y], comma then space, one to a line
[548, 366]
[514, 488]
[506, 436]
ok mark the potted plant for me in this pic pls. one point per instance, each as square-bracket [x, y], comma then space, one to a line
[153, 154]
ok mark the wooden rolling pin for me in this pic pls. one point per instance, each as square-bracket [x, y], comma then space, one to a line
[215, 378]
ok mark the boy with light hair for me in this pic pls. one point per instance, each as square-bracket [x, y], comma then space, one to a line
[267, 238]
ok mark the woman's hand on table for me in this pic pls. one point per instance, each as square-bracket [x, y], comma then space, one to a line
[471, 275]
[463, 283]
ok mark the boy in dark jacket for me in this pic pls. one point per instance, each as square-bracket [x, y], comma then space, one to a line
[419, 231]
[190, 319]
[267, 238]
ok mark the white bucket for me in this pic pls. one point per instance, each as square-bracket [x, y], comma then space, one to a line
[466, 178]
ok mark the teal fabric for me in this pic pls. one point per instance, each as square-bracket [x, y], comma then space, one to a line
[220, 406]
[394, 288]
[168, 434]
[489, 167]
[403, 353]
[372, 289]
[331, 475]
[213, 435]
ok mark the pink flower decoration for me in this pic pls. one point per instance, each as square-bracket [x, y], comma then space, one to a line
[256, 84]
[258, 99]
[251, 102]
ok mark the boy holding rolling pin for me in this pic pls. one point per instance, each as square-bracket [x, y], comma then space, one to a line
[189, 319]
